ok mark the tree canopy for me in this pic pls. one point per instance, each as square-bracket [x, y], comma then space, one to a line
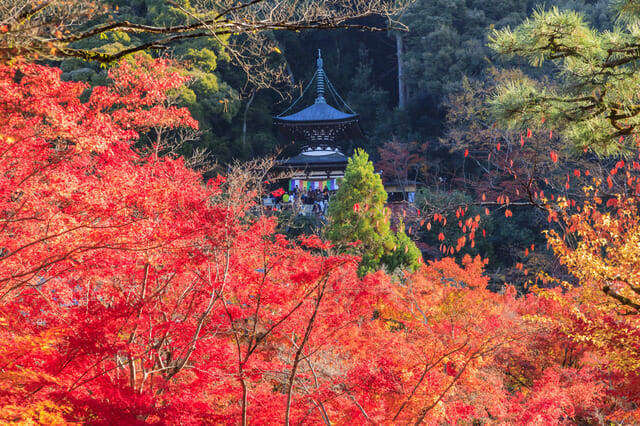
[358, 216]
[595, 102]
[137, 286]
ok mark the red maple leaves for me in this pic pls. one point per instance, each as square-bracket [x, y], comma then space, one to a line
[131, 292]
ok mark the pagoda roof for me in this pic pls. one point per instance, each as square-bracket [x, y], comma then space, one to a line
[319, 122]
[314, 158]
[318, 112]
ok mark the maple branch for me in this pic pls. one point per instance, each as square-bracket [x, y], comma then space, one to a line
[296, 361]
[427, 367]
[107, 58]
[132, 369]
[355, 401]
[318, 404]
[37, 29]
[620, 298]
[285, 317]
[213, 298]
[256, 317]
[475, 354]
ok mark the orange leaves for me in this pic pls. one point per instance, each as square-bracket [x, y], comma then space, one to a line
[461, 242]
[172, 263]
[601, 295]
[437, 217]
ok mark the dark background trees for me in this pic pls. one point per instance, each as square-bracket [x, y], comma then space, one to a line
[445, 59]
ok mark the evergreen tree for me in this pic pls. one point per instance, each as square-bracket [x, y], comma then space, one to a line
[595, 103]
[357, 213]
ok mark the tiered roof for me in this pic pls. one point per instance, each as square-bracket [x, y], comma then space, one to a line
[318, 158]
[319, 123]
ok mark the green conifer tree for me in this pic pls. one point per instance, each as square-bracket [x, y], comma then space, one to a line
[595, 102]
[357, 213]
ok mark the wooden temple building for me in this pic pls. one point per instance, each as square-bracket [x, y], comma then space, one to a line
[319, 130]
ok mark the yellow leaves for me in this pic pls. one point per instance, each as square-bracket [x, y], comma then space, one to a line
[601, 253]
[42, 412]
[406, 375]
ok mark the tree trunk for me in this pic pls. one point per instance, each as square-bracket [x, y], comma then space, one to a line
[244, 402]
[290, 73]
[402, 87]
[244, 120]
[298, 356]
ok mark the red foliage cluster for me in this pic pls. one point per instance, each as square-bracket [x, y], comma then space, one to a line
[131, 292]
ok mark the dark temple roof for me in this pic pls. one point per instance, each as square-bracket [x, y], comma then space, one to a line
[319, 158]
[319, 123]
[320, 111]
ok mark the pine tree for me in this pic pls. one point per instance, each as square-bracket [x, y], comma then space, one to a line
[594, 102]
[357, 213]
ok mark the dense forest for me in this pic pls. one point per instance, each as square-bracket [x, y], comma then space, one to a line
[443, 50]
[143, 280]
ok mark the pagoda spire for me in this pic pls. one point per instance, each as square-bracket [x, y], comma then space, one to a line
[320, 84]
[320, 123]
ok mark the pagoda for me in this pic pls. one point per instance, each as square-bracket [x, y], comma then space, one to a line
[319, 128]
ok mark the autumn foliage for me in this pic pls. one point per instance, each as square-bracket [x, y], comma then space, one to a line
[131, 291]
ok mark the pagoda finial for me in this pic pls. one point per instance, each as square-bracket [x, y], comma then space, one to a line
[320, 89]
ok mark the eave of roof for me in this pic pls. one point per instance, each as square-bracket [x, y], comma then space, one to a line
[302, 159]
[318, 112]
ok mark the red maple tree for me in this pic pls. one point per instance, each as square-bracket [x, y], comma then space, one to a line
[131, 291]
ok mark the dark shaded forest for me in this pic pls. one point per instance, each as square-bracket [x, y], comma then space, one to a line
[430, 111]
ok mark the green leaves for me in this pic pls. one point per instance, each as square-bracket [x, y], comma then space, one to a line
[594, 102]
[357, 213]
